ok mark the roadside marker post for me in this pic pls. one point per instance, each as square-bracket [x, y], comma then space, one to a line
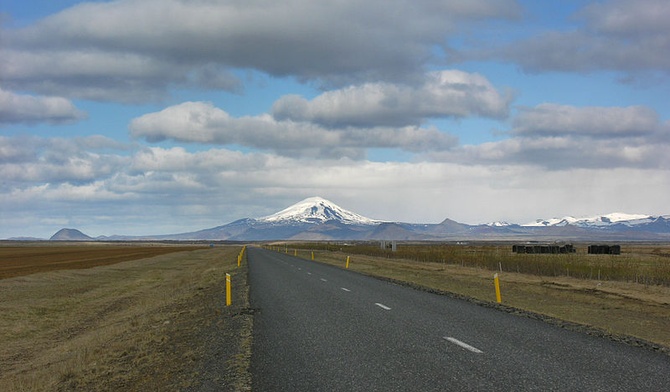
[229, 299]
[312, 255]
[295, 252]
[496, 282]
[347, 266]
[241, 255]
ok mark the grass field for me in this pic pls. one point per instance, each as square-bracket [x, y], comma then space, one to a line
[142, 318]
[640, 263]
[18, 259]
[108, 317]
[619, 308]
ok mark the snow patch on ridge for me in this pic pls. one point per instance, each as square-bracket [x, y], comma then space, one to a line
[594, 221]
[498, 224]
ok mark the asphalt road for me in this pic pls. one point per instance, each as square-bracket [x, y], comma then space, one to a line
[321, 328]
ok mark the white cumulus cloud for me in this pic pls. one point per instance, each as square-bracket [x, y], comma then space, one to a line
[628, 37]
[202, 122]
[554, 119]
[134, 51]
[448, 93]
[29, 109]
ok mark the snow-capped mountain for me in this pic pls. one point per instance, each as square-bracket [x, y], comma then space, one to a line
[317, 210]
[314, 218]
[598, 221]
[317, 219]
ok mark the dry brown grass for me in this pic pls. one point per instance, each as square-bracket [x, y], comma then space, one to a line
[639, 263]
[28, 258]
[617, 308]
[136, 325]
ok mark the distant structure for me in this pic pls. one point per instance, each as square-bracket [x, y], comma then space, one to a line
[543, 249]
[604, 249]
[386, 245]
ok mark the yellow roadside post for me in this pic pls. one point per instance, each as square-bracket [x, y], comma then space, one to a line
[496, 282]
[347, 266]
[229, 299]
[295, 252]
[312, 255]
[241, 255]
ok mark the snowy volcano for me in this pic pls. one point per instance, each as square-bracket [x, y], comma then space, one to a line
[318, 219]
[317, 210]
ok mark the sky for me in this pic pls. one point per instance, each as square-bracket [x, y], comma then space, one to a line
[141, 117]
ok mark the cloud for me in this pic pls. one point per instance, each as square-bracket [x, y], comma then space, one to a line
[548, 135]
[629, 37]
[562, 153]
[620, 17]
[93, 74]
[202, 122]
[561, 137]
[135, 50]
[558, 120]
[36, 160]
[448, 93]
[28, 109]
[173, 190]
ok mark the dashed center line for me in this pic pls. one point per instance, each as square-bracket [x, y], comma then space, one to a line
[323, 280]
[309, 273]
[382, 306]
[464, 345]
[345, 289]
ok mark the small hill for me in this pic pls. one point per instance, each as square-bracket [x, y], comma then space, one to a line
[70, 235]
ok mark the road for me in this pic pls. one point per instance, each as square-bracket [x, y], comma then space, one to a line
[321, 328]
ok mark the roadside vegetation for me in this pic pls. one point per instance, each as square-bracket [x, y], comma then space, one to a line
[131, 323]
[624, 297]
[647, 264]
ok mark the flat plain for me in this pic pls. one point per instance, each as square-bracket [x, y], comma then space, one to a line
[17, 258]
[133, 317]
[151, 316]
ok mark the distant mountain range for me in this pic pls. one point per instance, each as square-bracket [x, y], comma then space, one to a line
[317, 219]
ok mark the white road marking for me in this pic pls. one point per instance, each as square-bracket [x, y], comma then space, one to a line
[345, 289]
[309, 273]
[464, 345]
[323, 280]
[382, 306]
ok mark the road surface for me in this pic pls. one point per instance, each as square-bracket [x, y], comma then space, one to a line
[321, 328]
